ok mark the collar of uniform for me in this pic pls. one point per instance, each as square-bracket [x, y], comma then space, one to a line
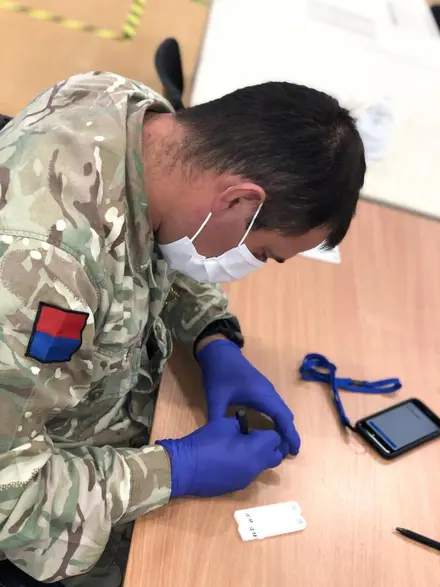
[140, 236]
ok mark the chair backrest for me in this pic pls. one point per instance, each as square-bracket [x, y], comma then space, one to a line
[436, 13]
[4, 120]
[169, 69]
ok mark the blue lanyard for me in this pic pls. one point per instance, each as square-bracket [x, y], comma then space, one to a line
[317, 368]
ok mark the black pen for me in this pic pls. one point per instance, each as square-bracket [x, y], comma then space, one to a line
[242, 421]
[419, 538]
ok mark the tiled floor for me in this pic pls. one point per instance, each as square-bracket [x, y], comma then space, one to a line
[36, 53]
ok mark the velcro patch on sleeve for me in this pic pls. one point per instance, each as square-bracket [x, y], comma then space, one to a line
[56, 334]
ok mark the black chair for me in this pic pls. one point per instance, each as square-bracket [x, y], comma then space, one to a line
[4, 120]
[436, 13]
[169, 69]
[11, 576]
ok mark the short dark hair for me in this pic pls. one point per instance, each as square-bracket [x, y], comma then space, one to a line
[297, 143]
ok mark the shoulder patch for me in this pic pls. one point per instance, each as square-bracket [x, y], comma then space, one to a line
[56, 334]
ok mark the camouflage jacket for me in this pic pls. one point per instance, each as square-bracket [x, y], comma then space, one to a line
[86, 320]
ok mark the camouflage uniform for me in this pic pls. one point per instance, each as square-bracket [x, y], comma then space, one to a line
[75, 233]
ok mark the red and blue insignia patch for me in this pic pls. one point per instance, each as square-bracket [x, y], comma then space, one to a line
[56, 335]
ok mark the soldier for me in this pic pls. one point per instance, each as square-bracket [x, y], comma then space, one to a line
[117, 216]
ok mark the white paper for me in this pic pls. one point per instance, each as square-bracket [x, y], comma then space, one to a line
[320, 254]
[355, 16]
[375, 126]
[412, 16]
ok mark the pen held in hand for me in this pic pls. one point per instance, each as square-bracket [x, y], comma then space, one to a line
[242, 421]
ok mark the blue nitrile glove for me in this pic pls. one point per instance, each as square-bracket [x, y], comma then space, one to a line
[229, 378]
[217, 458]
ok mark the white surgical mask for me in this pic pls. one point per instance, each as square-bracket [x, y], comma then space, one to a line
[182, 255]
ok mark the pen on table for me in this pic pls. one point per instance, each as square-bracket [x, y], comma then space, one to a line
[242, 421]
[419, 538]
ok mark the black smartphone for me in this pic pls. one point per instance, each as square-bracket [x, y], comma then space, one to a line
[399, 429]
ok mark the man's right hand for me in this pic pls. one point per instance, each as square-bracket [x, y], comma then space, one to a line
[217, 458]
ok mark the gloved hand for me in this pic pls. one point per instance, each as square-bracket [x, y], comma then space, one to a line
[229, 378]
[217, 458]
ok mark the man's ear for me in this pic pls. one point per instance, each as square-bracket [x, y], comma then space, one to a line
[240, 194]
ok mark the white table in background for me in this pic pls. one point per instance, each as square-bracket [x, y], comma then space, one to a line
[355, 50]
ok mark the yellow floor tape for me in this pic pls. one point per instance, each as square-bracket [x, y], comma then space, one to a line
[128, 30]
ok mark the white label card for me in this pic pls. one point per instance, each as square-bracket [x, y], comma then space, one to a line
[269, 520]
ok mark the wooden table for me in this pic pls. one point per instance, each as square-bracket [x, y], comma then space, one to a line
[375, 315]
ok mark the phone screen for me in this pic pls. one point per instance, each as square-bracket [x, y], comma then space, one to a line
[402, 426]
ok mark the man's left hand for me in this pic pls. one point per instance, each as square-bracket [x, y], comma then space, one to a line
[229, 378]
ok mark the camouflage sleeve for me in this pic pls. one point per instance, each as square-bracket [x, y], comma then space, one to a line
[191, 306]
[57, 504]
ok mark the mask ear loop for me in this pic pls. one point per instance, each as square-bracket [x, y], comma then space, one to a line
[249, 228]
[204, 223]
